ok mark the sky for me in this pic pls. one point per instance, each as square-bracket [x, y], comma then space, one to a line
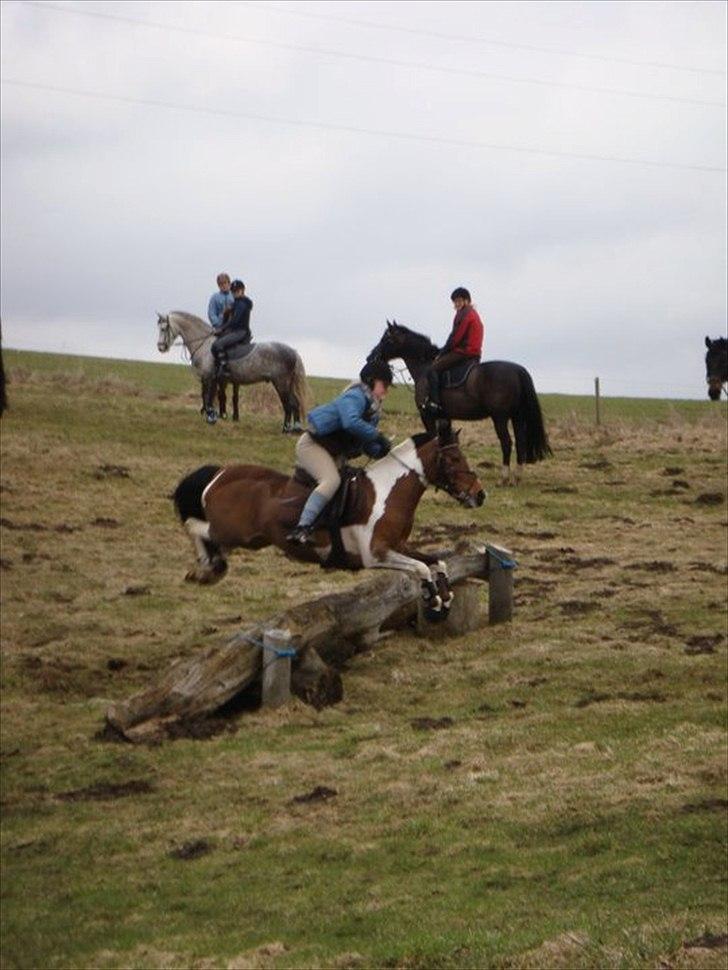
[354, 161]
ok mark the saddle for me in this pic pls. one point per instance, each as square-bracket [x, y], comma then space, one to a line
[238, 351]
[334, 516]
[457, 375]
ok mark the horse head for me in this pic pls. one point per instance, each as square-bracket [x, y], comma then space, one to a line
[399, 341]
[165, 336]
[716, 366]
[446, 467]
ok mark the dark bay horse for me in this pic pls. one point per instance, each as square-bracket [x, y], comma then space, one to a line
[716, 366]
[496, 389]
[276, 363]
[250, 507]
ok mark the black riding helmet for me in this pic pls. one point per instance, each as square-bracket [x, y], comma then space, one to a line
[376, 370]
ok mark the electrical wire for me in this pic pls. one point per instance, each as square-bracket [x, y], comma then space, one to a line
[488, 41]
[353, 129]
[371, 58]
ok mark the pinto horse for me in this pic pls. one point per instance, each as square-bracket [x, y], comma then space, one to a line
[716, 366]
[250, 507]
[276, 363]
[496, 389]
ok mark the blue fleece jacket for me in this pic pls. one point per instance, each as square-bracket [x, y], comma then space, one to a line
[216, 307]
[346, 413]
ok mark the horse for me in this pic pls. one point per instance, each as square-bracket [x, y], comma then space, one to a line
[274, 362]
[716, 366]
[497, 389]
[251, 507]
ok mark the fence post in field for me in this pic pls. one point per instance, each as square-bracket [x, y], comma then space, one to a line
[596, 395]
[277, 653]
[500, 583]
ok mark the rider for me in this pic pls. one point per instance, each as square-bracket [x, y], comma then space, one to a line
[341, 429]
[220, 301]
[236, 328]
[464, 343]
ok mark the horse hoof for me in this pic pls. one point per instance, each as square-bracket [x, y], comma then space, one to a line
[211, 416]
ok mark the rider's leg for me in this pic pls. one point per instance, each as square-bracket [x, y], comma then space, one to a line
[320, 465]
[439, 366]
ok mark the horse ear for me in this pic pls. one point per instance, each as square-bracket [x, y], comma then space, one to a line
[389, 325]
[160, 317]
[707, 342]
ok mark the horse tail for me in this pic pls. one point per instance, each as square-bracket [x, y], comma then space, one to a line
[299, 385]
[187, 496]
[529, 413]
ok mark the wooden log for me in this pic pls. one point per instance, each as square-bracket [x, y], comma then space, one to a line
[329, 627]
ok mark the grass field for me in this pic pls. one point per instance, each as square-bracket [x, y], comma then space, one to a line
[567, 808]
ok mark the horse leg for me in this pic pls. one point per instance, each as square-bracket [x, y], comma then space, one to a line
[501, 429]
[211, 563]
[432, 573]
[236, 402]
[283, 397]
[222, 399]
[208, 399]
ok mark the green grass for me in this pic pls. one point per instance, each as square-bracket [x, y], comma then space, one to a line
[574, 813]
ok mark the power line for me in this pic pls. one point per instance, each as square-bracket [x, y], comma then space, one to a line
[478, 40]
[372, 58]
[352, 129]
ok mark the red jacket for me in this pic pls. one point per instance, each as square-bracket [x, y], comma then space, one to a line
[467, 334]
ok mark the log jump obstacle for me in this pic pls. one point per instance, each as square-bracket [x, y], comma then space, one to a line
[293, 651]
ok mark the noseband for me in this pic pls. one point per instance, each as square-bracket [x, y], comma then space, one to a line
[447, 487]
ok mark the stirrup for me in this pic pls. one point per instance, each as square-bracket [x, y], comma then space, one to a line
[432, 407]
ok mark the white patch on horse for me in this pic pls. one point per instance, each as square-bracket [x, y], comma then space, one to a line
[206, 489]
[199, 531]
[384, 475]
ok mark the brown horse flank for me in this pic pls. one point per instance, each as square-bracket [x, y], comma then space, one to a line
[249, 507]
[497, 389]
[716, 366]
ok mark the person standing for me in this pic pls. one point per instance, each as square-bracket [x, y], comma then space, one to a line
[465, 342]
[220, 301]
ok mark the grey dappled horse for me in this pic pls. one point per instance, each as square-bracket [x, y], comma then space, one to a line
[275, 363]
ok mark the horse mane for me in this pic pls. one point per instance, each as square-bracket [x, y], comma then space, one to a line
[427, 345]
[191, 317]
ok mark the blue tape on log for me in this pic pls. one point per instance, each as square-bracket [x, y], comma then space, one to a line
[504, 563]
[278, 651]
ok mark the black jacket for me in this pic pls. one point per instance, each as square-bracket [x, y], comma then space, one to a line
[239, 319]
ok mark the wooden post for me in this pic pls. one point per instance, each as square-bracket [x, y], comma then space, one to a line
[466, 614]
[277, 653]
[500, 583]
[596, 394]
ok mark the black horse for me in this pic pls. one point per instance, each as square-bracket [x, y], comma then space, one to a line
[716, 366]
[496, 389]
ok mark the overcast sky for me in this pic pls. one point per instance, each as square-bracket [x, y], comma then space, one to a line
[355, 161]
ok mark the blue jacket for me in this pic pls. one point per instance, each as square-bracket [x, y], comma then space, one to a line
[216, 307]
[353, 412]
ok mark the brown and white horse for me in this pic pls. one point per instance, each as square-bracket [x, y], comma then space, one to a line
[250, 507]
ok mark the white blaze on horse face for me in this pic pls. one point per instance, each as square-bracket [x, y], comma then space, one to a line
[384, 475]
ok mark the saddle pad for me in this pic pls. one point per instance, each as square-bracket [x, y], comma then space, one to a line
[238, 351]
[457, 375]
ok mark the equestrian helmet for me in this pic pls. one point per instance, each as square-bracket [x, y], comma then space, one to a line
[376, 370]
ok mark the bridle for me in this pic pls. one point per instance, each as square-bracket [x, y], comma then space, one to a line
[438, 484]
[170, 338]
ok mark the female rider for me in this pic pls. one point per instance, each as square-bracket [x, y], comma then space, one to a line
[341, 429]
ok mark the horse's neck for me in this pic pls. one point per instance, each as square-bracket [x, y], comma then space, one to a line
[400, 467]
[416, 366]
[191, 329]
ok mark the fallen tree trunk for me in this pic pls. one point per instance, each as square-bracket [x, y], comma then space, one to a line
[333, 626]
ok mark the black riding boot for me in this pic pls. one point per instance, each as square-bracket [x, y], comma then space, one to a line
[432, 403]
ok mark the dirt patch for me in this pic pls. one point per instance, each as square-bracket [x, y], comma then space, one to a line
[431, 723]
[105, 523]
[107, 792]
[561, 490]
[673, 470]
[319, 794]
[597, 697]
[710, 498]
[38, 527]
[597, 466]
[191, 850]
[112, 471]
[706, 805]
[654, 566]
[708, 941]
[136, 591]
[577, 607]
[707, 567]
[703, 644]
